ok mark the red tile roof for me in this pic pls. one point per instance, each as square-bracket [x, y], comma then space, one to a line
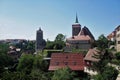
[72, 60]
[81, 37]
[90, 55]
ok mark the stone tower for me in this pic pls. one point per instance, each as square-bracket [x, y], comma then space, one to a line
[76, 27]
[40, 42]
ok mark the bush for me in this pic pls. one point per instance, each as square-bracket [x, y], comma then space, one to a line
[117, 55]
[115, 61]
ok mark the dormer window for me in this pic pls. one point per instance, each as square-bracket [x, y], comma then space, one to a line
[66, 57]
[74, 63]
[66, 63]
[57, 63]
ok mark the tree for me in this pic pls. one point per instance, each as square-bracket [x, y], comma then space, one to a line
[4, 47]
[102, 42]
[49, 45]
[5, 60]
[63, 74]
[110, 73]
[117, 55]
[25, 63]
[104, 57]
[105, 72]
[58, 43]
[60, 37]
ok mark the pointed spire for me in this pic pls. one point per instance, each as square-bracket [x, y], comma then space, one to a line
[76, 19]
[39, 28]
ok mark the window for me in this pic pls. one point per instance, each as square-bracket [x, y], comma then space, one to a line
[57, 63]
[66, 57]
[74, 63]
[66, 63]
[118, 42]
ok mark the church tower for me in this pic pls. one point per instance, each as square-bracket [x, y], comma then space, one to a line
[76, 27]
[40, 42]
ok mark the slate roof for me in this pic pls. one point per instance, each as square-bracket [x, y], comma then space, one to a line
[73, 60]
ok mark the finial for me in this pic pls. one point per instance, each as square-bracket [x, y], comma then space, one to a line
[76, 19]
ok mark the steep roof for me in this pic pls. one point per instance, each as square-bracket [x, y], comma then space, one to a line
[82, 37]
[87, 32]
[84, 34]
[72, 60]
[90, 55]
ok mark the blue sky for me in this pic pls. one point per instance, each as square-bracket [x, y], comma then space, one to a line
[21, 18]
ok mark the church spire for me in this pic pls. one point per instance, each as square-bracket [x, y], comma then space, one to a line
[40, 28]
[76, 21]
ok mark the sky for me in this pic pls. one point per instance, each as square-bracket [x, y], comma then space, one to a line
[20, 19]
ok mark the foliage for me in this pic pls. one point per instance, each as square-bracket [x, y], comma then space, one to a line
[60, 37]
[63, 74]
[104, 57]
[98, 77]
[26, 46]
[74, 50]
[109, 73]
[58, 43]
[105, 72]
[4, 48]
[39, 63]
[38, 75]
[49, 45]
[15, 76]
[117, 55]
[102, 42]
[26, 63]
[49, 52]
[115, 61]
[5, 60]
[33, 66]
[84, 52]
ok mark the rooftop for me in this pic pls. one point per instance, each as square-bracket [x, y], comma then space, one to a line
[72, 60]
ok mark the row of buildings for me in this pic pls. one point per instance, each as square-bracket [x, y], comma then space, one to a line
[81, 38]
[115, 36]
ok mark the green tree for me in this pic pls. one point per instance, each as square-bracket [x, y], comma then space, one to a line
[109, 73]
[59, 41]
[63, 74]
[4, 47]
[105, 72]
[5, 60]
[102, 42]
[117, 55]
[60, 37]
[49, 44]
[104, 56]
[25, 63]
[40, 66]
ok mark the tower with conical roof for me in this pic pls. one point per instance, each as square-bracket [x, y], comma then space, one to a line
[40, 42]
[76, 27]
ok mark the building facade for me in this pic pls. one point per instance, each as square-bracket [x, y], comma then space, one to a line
[115, 36]
[40, 42]
[117, 30]
[81, 38]
[74, 61]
